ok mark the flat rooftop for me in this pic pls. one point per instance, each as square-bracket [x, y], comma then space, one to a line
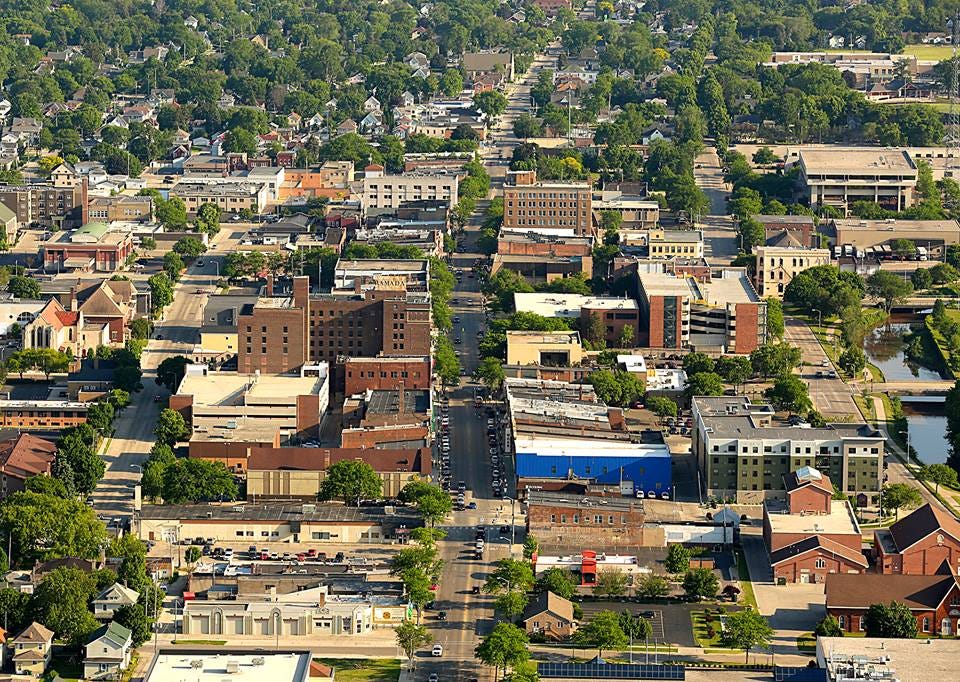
[375, 266]
[892, 225]
[388, 402]
[684, 236]
[912, 660]
[553, 338]
[666, 284]
[568, 305]
[736, 417]
[840, 520]
[277, 512]
[731, 287]
[854, 160]
[233, 389]
[203, 666]
[551, 499]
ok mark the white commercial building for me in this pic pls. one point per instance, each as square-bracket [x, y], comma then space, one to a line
[841, 176]
[181, 664]
[381, 190]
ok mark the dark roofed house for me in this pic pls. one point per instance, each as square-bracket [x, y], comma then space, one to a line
[92, 381]
[919, 543]
[933, 599]
[21, 458]
[550, 615]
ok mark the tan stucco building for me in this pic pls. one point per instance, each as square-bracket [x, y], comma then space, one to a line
[778, 265]
[544, 348]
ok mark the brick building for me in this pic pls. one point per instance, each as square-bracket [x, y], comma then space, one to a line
[21, 458]
[121, 207]
[614, 313]
[812, 535]
[42, 414]
[93, 247]
[47, 205]
[933, 599]
[554, 208]
[919, 544]
[587, 522]
[298, 472]
[362, 374]
[387, 418]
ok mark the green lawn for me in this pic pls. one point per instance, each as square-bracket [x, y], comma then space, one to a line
[364, 669]
[929, 52]
[748, 596]
[807, 642]
[701, 632]
[201, 642]
[65, 668]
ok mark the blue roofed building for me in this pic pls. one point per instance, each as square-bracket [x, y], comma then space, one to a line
[564, 431]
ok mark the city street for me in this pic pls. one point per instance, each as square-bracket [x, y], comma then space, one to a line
[830, 396]
[175, 334]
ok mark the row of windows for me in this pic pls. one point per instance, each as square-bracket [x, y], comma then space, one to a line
[263, 534]
[383, 375]
[597, 519]
[824, 450]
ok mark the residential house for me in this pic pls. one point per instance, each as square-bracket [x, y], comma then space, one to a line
[372, 104]
[551, 616]
[919, 544]
[21, 458]
[32, 650]
[112, 598]
[107, 652]
[476, 63]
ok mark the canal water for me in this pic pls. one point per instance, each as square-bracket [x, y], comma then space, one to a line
[884, 347]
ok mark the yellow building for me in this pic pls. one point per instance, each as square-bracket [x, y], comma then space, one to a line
[666, 244]
[778, 265]
[558, 349]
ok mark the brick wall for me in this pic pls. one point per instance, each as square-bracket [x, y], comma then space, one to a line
[810, 500]
[807, 564]
[578, 526]
[362, 374]
[747, 340]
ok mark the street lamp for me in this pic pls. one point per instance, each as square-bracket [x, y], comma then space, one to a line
[513, 528]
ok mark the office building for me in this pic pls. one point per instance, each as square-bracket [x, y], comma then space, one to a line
[744, 450]
[229, 197]
[934, 235]
[560, 349]
[668, 244]
[840, 177]
[550, 208]
[382, 190]
[95, 247]
[203, 665]
[121, 208]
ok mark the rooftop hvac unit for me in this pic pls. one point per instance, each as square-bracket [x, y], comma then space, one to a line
[233, 667]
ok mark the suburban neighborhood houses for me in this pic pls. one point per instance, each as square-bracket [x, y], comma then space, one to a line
[516, 341]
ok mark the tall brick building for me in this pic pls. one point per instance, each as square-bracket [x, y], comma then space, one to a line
[555, 208]
[280, 333]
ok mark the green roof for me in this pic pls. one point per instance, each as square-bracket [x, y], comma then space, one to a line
[113, 631]
[96, 230]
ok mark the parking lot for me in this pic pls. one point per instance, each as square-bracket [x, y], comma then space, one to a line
[670, 622]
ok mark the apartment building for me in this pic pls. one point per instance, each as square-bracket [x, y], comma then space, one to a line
[121, 208]
[839, 177]
[744, 450]
[229, 197]
[281, 333]
[722, 314]
[47, 205]
[550, 208]
[382, 190]
[778, 265]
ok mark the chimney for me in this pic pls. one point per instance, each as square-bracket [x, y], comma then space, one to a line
[301, 291]
[72, 299]
[268, 287]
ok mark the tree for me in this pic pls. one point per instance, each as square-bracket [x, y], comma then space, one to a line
[15, 607]
[705, 384]
[192, 555]
[775, 325]
[189, 247]
[678, 559]
[41, 526]
[700, 583]
[75, 449]
[511, 604]
[611, 583]
[171, 213]
[897, 496]
[889, 288]
[530, 547]
[635, 626]
[774, 359]
[852, 361]
[789, 393]
[890, 620]
[509, 575]
[735, 369]
[662, 406]
[828, 627]
[161, 291]
[652, 586]
[48, 485]
[601, 632]
[411, 637]
[173, 265]
[24, 287]
[527, 126]
[171, 427]
[351, 481]
[446, 362]
[694, 363]
[188, 481]
[208, 219]
[119, 399]
[100, 416]
[765, 156]
[434, 505]
[921, 279]
[505, 647]
[745, 630]
[490, 103]
[558, 580]
[133, 617]
[60, 603]
[490, 372]
[938, 474]
[944, 273]
[170, 372]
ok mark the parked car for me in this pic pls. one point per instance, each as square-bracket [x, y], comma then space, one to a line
[437, 650]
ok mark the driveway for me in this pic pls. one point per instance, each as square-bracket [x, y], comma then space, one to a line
[791, 609]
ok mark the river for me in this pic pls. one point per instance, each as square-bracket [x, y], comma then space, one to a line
[884, 347]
